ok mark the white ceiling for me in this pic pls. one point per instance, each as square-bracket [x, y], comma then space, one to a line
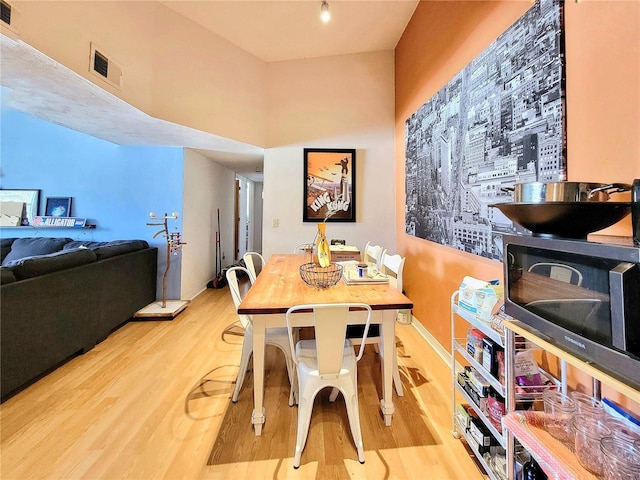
[271, 30]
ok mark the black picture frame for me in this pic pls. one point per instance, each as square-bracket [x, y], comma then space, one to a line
[55, 204]
[329, 185]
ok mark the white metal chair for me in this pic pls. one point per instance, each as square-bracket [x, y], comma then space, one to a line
[251, 260]
[278, 337]
[373, 254]
[392, 266]
[329, 360]
[558, 271]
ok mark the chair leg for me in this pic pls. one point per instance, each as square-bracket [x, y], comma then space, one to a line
[247, 350]
[292, 380]
[305, 406]
[351, 400]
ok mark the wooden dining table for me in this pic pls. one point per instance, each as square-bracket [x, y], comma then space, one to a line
[279, 287]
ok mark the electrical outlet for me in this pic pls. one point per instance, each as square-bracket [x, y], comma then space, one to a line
[275, 223]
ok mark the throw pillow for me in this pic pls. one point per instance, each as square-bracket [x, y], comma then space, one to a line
[5, 247]
[29, 247]
[110, 249]
[41, 265]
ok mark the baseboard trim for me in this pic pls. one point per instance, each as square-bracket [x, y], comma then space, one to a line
[442, 352]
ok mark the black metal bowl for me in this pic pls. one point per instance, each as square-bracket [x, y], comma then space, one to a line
[565, 219]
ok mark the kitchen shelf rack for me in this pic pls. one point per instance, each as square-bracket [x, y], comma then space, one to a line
[506, 339]
[459, 351]
[526, 427]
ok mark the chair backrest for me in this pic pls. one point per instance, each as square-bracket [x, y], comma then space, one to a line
[254, 262]
[373, 254]
[234, 288]
[330, 323]
[558, 271]
[393, 266]
[304, 248]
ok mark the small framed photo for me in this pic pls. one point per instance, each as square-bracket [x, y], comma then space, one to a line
[58, 207]
[329, 185]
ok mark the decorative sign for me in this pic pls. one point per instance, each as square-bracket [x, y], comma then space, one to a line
[498, 122]
[68, 222]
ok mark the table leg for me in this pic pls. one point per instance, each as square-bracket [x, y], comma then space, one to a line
[258, 415]
[387, 351]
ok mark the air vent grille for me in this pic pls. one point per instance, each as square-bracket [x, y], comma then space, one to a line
[5, 13]
[101, 64]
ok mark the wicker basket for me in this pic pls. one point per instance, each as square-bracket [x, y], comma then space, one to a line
[320, 277]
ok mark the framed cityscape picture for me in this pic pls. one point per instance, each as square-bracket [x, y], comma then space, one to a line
[498, 122]
[329, 185]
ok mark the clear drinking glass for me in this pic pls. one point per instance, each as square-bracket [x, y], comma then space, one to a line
[559, 409]
[621, 459]
[588, 431]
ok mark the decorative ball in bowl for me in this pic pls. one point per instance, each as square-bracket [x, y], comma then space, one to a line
[320, 277]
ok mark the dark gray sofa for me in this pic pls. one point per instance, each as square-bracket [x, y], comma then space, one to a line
[59, 298]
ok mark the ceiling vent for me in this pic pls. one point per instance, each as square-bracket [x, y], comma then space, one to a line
[104, 67]
[5, 12]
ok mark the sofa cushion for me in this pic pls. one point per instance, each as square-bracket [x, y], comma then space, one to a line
[7, 275]
[42, 264]
[29, 247]
[5, 247]
[110, 249]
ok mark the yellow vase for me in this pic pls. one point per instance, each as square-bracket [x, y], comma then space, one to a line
[322, 246]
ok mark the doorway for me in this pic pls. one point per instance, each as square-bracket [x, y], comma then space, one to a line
[248, 217]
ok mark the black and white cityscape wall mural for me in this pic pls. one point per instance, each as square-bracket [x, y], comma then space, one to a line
[498, 122]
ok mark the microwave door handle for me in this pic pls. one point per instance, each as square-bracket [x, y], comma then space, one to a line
[618, 314]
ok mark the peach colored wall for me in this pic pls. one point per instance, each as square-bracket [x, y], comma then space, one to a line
[173, 69]
[603, 115]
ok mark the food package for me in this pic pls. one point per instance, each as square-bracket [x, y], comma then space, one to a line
[526, 371]
[480, 296]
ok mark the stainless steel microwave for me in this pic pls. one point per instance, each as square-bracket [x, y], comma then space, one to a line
[583, 296]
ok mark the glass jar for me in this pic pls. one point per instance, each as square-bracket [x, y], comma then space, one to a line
[558, 413]
[621, 459]
[622, 429]
[587, 405]
[588, 432]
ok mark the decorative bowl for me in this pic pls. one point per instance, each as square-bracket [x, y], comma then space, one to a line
[320, 277]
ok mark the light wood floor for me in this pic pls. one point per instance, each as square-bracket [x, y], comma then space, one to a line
[153, 401]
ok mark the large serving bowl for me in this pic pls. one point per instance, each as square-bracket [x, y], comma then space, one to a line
[320, 277]
[541, 192]
[565, 219]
